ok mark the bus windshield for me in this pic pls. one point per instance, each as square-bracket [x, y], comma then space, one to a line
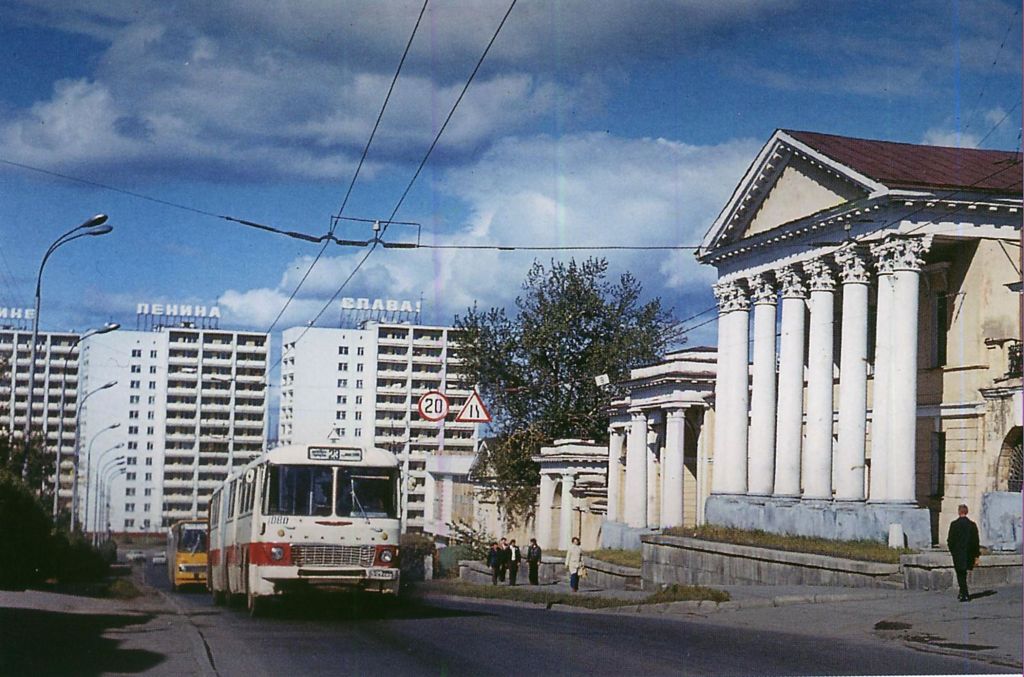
[299, 490]
[367, 492]
[193, 539]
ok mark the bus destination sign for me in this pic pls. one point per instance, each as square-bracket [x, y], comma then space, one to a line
[335, 454]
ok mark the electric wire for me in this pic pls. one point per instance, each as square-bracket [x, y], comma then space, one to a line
[991, 69]
[355, 175]
[377, 241]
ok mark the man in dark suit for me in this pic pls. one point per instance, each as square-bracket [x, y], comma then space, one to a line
[964, 546]
[533, 555]
[514, 558]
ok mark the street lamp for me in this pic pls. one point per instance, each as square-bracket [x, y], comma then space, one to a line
[109, 327]
[99, 463]
[116, 462]
[91, 227]
[78, 438]
[119, 470]
[88, 465]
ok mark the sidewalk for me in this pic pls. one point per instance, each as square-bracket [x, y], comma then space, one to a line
[989, 628]
[58, 633]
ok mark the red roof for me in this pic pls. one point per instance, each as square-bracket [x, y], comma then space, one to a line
[906, 165]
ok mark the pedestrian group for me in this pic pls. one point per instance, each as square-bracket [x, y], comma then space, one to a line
[505, 557]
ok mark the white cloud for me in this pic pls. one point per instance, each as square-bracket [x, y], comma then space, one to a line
[952, 138]
[584, 189]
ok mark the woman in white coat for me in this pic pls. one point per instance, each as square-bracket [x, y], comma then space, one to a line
[574, 563]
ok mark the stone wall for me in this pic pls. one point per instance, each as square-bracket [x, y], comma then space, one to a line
[934, 571]
[689, 561]
[1000, 525]
[612, 576]
[551, 570]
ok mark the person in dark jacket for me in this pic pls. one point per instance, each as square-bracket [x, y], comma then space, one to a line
[494, 562]
[502, 559]
[964, 546]
[533, 554]
[515, 558]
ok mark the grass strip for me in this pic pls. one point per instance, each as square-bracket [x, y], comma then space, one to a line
[122, 588]
[622, 558]
[675, 593]
[867, 551]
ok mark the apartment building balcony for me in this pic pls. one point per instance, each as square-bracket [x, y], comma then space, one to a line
[389, 340]
[170, 485]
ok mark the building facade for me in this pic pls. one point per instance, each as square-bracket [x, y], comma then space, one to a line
[868, 374]
[56, 377]
[188, 406]
[362, 386]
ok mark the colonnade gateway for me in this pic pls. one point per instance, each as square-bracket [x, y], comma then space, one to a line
[868, 373]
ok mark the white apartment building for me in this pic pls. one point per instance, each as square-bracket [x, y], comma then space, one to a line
[358, 386]
[190, 404]
[56, 370]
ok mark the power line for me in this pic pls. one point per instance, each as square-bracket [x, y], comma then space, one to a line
[991, 69]
[377, 241]
[996, 125]
[352, 183]
[451, 112]
[380, 115]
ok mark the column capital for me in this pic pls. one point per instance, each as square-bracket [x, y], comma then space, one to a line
[763, 289]
[820, 276]
[854, 265]
[900, 254]
[731, 296]
[675, 412]
[636, 415]
[791, 282]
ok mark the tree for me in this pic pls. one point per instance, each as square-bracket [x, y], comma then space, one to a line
[536, 370]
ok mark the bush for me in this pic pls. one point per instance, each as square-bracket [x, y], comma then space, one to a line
[869, 551]
[26, 526]
[412, 549]
[76, 561]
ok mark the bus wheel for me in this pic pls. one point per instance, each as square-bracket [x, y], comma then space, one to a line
[254, 604]
[219, 598]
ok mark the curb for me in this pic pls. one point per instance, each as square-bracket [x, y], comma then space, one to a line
[668, 608]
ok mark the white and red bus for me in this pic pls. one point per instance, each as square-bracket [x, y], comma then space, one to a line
[306, 517]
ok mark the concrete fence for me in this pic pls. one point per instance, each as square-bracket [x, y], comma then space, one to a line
[612, 576]
[674, 559]
[551, 570]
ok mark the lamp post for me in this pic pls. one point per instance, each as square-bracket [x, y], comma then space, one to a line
[116, 462]
[88, 465]
[119, 470]
[99, 463]
[109, 327]
[91, 227]
[78, 439]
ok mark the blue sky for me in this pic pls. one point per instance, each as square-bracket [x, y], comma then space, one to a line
[591, 122]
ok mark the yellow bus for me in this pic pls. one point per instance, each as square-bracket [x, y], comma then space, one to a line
[186, 553]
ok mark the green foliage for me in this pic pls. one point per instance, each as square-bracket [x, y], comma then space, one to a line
[686, 593]
[536, 370]
[473, 543]
[26, 526]
[39, 468]
[869, 551]
[123, 588]
[74, 560]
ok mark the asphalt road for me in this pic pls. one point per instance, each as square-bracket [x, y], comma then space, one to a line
[337, 636]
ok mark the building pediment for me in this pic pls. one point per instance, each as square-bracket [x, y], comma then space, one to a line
[789, 181]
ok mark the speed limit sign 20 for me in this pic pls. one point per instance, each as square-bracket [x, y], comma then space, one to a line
[433, 406]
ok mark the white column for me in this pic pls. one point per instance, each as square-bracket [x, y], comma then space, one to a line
[616, 440]
[853, 375]
[672, 468]
[817, 460]
[878, 489]
[903, 424]
[546, 501]
[653, 466]
[789, 429]
[761, 461]
[565, 523]
[635, 507]
[731, 390]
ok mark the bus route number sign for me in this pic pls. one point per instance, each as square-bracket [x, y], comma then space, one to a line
[335, 454]
[433, 405]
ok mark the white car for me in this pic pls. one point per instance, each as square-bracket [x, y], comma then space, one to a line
[159, 558]
[135, 556]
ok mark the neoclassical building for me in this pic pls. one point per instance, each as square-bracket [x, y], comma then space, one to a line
[868, 373]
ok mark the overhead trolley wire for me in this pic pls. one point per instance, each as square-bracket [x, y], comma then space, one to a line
[377, 241]
[334, 221]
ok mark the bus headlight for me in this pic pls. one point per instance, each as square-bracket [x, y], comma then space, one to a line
[276, 553]
[386, 556]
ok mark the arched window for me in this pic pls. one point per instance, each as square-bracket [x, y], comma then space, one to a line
[1011, 462]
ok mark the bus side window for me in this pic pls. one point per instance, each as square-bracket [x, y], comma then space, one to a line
[215, 509]
[231, 500]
